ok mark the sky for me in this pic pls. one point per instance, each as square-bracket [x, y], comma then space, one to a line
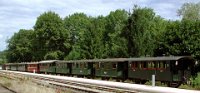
[22, 14]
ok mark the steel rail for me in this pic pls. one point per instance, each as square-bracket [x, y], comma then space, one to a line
[118, 85]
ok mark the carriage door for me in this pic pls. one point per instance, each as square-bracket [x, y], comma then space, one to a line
[180, 72]
[175, 71]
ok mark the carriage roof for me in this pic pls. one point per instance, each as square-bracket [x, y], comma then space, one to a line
[47, 61]
[142, 59]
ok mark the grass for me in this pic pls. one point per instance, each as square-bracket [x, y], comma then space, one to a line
[195, 83]
[26, 86]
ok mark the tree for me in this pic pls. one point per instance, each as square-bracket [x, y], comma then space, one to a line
[3, 57]
[20, 47]
[76, 24]
[89, 44]
[190, 11]
[50, 36]
[181, 38]
[114, 43]
[141, 32]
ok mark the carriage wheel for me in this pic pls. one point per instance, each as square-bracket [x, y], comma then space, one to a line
[174, 84]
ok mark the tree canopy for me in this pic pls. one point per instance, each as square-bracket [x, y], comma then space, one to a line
[139, 32]
[190, 11]
[50, 37]
[20, 46]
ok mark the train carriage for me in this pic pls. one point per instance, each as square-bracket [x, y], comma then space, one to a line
[7, 66]
[13, 66]
[22, 67]
[3, 67]
[82, 68]
[33, 67]
[47, 66]
[111, 68]
[173, 70]
[63, 67]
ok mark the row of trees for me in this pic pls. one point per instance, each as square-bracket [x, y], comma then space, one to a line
[120, 34]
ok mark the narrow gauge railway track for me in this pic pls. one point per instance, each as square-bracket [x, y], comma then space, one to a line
[75, 87]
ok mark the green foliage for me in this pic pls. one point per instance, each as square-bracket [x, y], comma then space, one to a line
[76, 24]
[190, 11]
[141, 31]
[119, 34]
[114, 43]
[181, 38]
[3, 57]
[19, 48]
[89, 44]
[74, 54]
[54, 55]
[196, 82]
[50, 35]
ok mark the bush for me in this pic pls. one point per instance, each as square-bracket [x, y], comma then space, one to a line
[196, 82]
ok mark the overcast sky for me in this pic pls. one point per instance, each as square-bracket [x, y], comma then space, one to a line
[22, 14]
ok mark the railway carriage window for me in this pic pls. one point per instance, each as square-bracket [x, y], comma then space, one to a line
[66, 65]
[107, 65]
[102, 65]
[162, 64]
[80, 65]
[154, 64]
[97, 65]
[140, 65]
[85, 65]
[159, 64]
[134, 65]
[151, 65]
[114, 66]
[77, 65]
[144, 65]
[62, 65]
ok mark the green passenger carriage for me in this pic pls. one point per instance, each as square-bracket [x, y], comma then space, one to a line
[111, 68]
[173, 70]
[47, 66]
[63, 67]
[82, 68]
